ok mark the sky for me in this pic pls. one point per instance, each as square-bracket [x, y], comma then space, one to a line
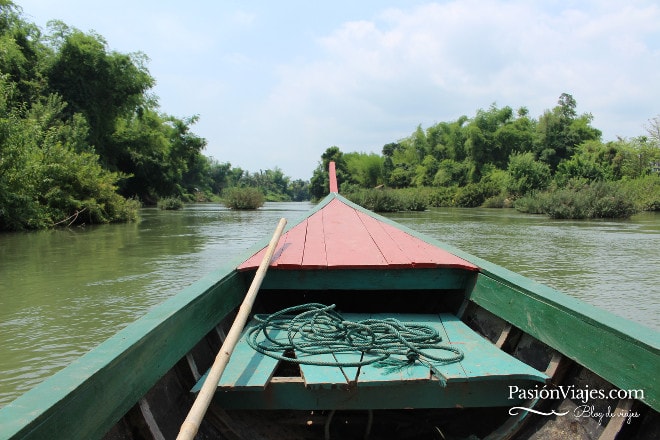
[275, 83]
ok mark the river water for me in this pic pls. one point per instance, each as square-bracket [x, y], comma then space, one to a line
[62, 292]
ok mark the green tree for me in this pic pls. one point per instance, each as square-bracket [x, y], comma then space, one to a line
[451, 172]
[103, 85]
[365, 169]
[404, 160]
[561, 130]
[319, 185]
[66, 93]
[142, 147]
[389, 149]
[185, 153]
[21, 53]
[476, 145]
[640, 157]
[401, 177]
[653, 130]
[17, 201]
[388, 163]
[526, 174]
[426, 171]
[46, 177]
[220, 176]
[273, 183]
[448, 139]
[491, 136]
[513, 136]
[592, 161]
[419, 143]
[299, 190]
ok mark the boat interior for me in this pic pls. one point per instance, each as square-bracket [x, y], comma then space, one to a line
[469, 399]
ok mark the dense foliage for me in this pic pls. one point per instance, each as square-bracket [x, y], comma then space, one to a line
[555, 165]
[170, 204]
[82, 139]
[273, 184]
[243, 198]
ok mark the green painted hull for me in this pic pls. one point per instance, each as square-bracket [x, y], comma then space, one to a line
[90, 397]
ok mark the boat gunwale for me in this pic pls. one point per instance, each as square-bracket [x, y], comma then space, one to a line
[540, 291]
[36, 410]
[29, 414]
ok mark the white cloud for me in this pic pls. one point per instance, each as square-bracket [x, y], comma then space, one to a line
[374, 80]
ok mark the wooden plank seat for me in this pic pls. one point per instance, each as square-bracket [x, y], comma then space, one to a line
[483, 378]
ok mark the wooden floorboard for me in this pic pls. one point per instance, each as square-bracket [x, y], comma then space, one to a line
[316, 376]
[391, 251]
[314, 254]
[289, 255]
[348, 243]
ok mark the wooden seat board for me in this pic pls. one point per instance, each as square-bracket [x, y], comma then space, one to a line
[379, 375]
[363, 373]
[248, 368]
[480, 379]
[483, 360]
[330, 376]
[321, 376]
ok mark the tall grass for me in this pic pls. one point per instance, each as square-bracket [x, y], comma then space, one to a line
[580, 199]
[246, 198]
[390, 200]
[170, 203]
[594, 200]
[645, 191]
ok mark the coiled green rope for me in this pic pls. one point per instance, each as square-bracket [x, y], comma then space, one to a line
[320, 329]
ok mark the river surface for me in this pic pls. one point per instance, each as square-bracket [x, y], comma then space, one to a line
[63, 292]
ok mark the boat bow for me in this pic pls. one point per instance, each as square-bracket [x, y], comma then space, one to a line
[342, 235]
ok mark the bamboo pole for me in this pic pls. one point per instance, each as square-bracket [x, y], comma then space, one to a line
[194, 419]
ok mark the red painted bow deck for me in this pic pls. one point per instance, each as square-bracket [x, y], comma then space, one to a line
[340, 236]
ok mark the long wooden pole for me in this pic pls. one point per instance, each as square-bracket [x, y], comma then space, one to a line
[194, 419]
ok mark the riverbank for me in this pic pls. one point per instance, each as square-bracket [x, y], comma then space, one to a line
[579, 200]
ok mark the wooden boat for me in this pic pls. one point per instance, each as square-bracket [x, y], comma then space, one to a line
[528, 362]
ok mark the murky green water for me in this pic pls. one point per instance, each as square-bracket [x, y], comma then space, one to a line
[63, 292]
[614, 265]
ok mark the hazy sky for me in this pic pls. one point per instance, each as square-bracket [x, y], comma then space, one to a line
[275, 83]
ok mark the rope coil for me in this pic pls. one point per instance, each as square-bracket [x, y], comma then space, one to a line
[319, 329]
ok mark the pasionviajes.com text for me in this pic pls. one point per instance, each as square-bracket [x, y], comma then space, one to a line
[583, 395]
